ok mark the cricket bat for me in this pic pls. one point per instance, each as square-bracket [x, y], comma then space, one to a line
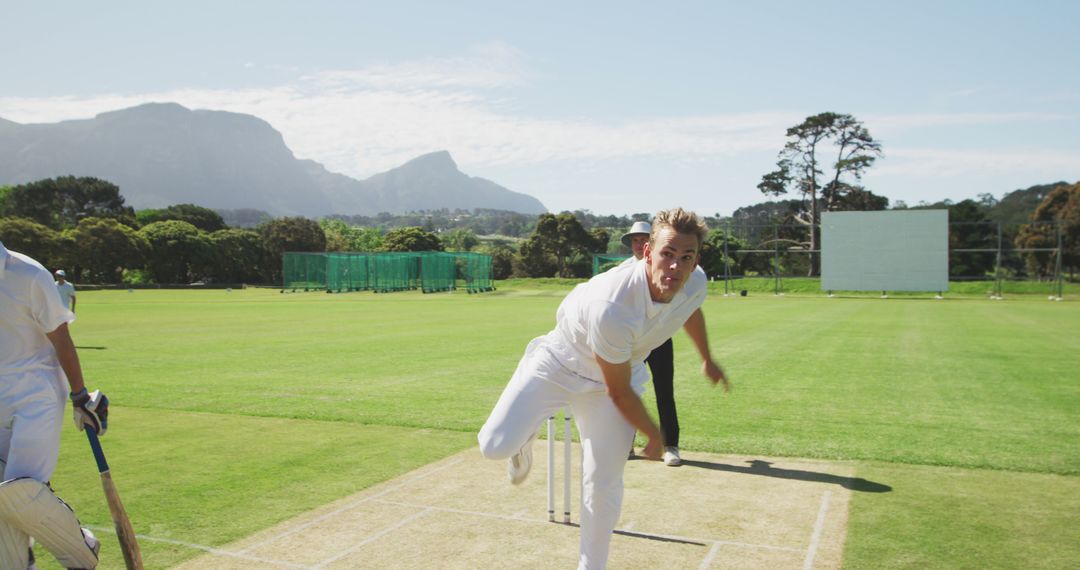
[128, 543]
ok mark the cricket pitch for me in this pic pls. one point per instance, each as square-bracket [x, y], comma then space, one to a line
[461, 512]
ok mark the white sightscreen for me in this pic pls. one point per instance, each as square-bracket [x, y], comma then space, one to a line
[885, 251]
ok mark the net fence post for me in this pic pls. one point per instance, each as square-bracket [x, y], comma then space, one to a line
[998, 287]
[727, 265]
[1058, 264]
[776, 259]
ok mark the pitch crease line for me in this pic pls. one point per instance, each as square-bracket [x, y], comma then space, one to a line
[304, 526]
[672, 537]
[514, 517]
[761, 546]
[373, 538]
[204, 548]
[707, 562]
[819, 527]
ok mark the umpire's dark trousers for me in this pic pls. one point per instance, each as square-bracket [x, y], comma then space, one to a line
[662, 366]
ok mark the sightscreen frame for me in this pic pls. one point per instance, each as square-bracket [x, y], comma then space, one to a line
[885, 251]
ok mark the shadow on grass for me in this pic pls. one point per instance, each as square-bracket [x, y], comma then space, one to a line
[765, 468]
[89, 348]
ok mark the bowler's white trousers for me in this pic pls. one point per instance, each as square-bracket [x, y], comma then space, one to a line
[541, 385]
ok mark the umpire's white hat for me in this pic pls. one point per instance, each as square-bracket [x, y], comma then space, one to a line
[637, 228]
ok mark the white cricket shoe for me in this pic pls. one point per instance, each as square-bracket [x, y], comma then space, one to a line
[671, 456]
[91, 542]
[519, 465]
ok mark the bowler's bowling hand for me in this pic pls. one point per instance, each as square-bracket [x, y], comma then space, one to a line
[715, 374]
[653, 448]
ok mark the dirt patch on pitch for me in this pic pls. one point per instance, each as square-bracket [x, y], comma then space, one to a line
[712, 512]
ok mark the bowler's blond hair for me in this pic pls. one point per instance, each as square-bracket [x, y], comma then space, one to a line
[680, 220]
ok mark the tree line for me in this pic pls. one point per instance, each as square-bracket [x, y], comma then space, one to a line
[82, 224]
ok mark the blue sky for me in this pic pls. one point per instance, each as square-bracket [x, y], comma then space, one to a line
[616, 107]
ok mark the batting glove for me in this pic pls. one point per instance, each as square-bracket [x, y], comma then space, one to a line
[90, 409]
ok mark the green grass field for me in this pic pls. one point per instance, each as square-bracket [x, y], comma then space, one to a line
[233, 411]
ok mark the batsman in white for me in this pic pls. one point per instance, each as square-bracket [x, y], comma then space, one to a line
[593, 362]
[38, 368]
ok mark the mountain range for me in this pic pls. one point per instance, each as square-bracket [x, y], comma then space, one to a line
[160, 154]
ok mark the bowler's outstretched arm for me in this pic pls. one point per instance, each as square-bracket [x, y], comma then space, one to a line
[617, 379]
[695, 329]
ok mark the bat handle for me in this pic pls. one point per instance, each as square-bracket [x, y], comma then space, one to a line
[95, 446]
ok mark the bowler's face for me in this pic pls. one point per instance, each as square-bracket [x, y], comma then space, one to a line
[671, 259]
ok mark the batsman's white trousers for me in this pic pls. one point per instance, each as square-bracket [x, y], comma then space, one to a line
[541, 386]
[31, 415]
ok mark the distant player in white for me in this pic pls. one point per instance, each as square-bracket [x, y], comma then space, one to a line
[38, 367]
[66, 290]
[593, 362]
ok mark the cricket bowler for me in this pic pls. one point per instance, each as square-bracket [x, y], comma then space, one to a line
[593, 362]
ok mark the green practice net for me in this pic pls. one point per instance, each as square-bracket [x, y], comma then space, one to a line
[601, 263]
[438, 272]
[396, 272]
[303, 271]
[475, 269]
[385, 272]
[348, 272]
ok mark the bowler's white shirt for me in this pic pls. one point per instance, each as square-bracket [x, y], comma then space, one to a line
[614, 316]
[29, 307]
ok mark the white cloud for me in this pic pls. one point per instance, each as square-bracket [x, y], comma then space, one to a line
[492, 65]
[360, 131]
[1064, 95]
[363, 121]
[882, 123]
[930, 162]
